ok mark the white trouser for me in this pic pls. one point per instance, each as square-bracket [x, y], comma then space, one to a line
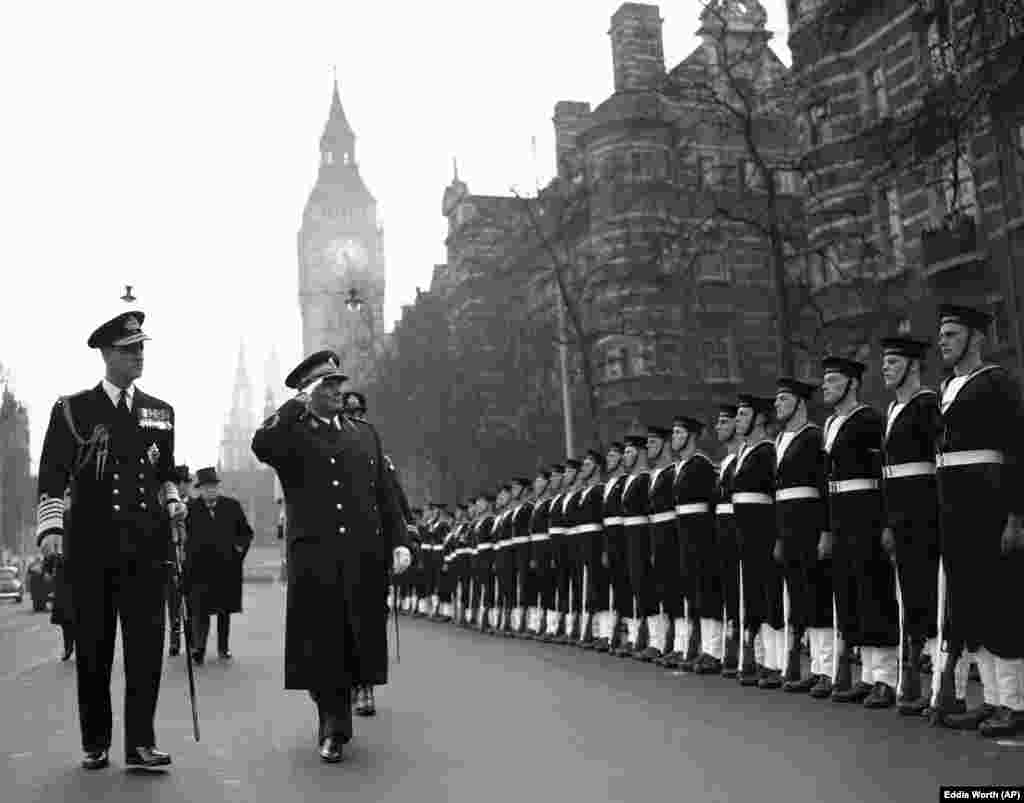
[711, 637]
[879, 665]
[774, 647]
[1009, 680]
[822, 653]
[760, 649]
[682, 636]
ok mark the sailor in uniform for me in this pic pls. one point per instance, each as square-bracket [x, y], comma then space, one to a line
[590, 576]
[635, 524]
[980, 455]
[542, 595]
[753, 497]
[662, 592]
[699, 615]
[800, 499]
[613, 553]
[725, 538]
[863, 580]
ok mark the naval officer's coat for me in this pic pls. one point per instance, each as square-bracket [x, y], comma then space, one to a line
[343, 523]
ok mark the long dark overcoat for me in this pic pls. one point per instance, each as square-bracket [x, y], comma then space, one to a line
[215, 551]
[343, 522]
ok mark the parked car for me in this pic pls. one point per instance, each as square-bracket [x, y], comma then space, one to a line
[40, 585]
[11, 586]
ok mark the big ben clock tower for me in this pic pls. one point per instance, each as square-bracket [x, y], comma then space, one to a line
[341, 256]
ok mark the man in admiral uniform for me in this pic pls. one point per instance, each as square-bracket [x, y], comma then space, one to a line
[636, 534]
[800, 499]
[662, 559]
[980, 456]
[910, 495]
[589, 539]
[114, 444]
[544, 486]
[618, 595]
[697, 605]
[558, 546]
[725, 538]
[183, 479]
[863, 580]
[753, 497]
[345, 529]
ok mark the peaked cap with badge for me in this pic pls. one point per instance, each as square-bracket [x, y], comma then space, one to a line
[121, 330]
[324, 364]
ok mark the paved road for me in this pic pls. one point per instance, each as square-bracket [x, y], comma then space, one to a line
[472, 718]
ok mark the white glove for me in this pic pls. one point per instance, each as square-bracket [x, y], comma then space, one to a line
[177, 510]
[401, 559]
[52, 544]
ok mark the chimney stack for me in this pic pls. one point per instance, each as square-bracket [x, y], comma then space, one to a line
[638, 54]
[571, 117]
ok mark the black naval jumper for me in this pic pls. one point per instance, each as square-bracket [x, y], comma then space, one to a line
[442, 551]
[697, 564]
[577, 544]
[614, 546]
[753, 493]
[636, 526]
[863, 579]
[117, 551]
[980, 460]
[726, 545]
[344, 522]
[483, 563]
[499, 555]
[667, 588]
[590, 543]
[542, 580]
[910, 496]
[558, 548]
[800, 514]
[523, 579]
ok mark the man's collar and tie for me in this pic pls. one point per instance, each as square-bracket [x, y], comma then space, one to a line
[116, 394]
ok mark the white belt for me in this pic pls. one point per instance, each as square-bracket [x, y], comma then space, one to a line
[724, 508]
[972, 457]
[692, 507]
[612, 521]
[588, 528]
[539, 537]
[751, 498]
[658, 518]
[631, 521]
[520, 539]
[908, 470]
[557, 530]
[483, 547]
[846, 486]
[800, 492]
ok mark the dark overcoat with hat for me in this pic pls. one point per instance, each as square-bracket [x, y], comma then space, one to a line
[343, 523]
[219, 536]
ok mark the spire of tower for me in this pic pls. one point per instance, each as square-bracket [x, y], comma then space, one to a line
[455, 168]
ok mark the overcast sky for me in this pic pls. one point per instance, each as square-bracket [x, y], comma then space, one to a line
[172, 146]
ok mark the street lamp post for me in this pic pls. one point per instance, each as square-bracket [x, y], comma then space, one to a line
[128, 298]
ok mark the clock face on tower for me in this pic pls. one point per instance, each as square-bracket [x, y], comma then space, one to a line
[346, 252]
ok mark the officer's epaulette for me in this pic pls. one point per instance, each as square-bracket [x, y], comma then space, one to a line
[70, 396]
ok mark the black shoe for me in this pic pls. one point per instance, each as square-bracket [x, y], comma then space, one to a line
[971, 720]
[882, 696]
[95, 759]
[69, 650]
[147, 758]
[330, 750]
[800, 686]
[1006, 724]
[858, 693]
[225, 655]
[364, 702]
[822, 689]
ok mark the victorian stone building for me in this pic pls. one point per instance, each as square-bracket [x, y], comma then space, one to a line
[653, 227]
[913, 128]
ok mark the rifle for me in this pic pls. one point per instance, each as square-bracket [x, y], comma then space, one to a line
[186, 619]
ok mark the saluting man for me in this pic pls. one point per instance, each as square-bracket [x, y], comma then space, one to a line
[344, 529]
[980, 456]
[114, 445]
[910, 494]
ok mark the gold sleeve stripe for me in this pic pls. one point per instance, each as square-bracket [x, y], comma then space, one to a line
[49, 516]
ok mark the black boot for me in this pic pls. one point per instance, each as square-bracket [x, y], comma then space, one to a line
[911, 701]
[689, 663]
[793, 683]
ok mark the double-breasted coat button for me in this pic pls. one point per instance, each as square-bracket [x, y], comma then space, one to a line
[333, 461]
[339, 505]
[117, 491]
[341, 530]
[117, 508]
[335, 483]
[142, 505]
[117, 476]
[142, 476]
